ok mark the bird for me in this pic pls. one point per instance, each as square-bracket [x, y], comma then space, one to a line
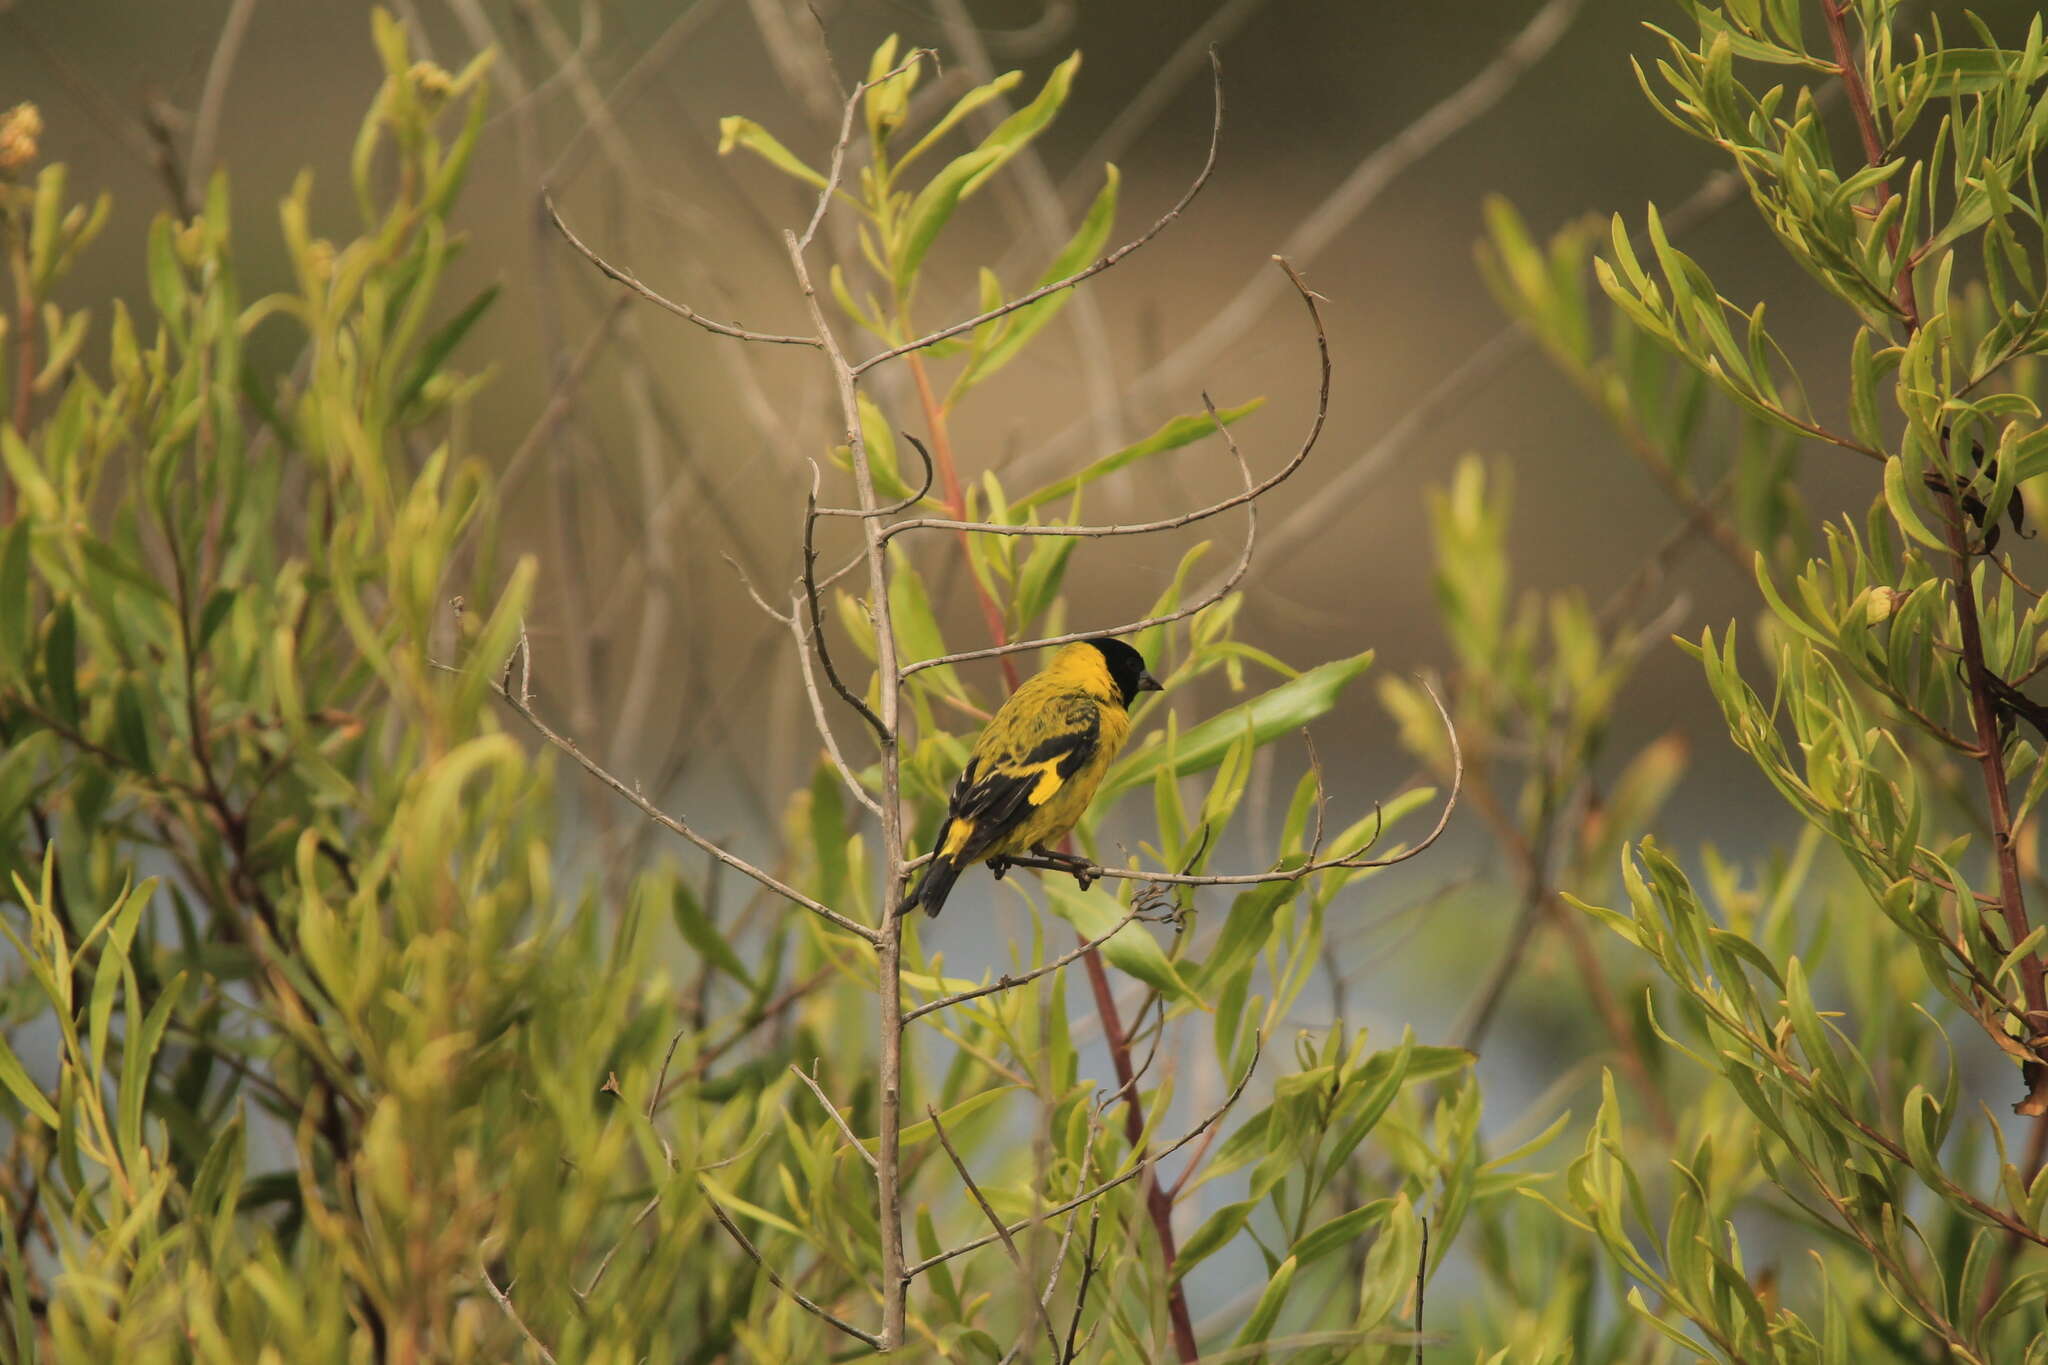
[1037, 765]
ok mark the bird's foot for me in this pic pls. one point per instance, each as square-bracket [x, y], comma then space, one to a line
[998, 866]
[1082, 869]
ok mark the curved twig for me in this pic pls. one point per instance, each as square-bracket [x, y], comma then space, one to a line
[1130, 1173]
[1101, 264]
[1007, 982]
[903, 505]
[1354, 860]
[1248, 499]
[681, 310]
[814, 599]
[675, 826]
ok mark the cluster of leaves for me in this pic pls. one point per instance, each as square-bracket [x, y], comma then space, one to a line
[1811, 995]
[302, 1034]
[316, 1049]
[1331, 1183]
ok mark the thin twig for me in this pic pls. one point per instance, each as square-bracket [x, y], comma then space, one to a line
[995, 1220]
[813, 599]
[213, 95]
[838, 1119]
[753, 1253]
[1246, 499]
[1088, 1264]
[525, 711]
[1129, 1174]
[1025, 300]
[681, 310]
[505, 1303]
[1007, 982]
[1421, 1278]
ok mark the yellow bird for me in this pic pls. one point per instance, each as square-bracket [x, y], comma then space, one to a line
[1037, 765]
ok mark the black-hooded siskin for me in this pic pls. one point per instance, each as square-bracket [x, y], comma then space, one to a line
[1037, 764]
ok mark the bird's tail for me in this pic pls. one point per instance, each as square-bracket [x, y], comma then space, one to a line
[939, 875]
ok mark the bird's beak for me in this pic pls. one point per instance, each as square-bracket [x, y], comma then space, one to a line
[1148, 683]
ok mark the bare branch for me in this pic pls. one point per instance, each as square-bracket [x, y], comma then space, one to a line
[753, 1253]
[511, 1312]
[1247, 499]
[838, 1119]
[675, 826]
[1052, 1335]
[902, 505]
[1046, 291]
[684, 311]
[821, 722]
[1130, 1173]
[1006, 982]
[812, 598]
[1354, 860]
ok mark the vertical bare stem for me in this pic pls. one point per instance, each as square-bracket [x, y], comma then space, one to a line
[888, 1164]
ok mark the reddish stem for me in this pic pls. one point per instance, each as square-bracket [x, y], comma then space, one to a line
[956, 506]
[1851, 73]
[1157, 1202]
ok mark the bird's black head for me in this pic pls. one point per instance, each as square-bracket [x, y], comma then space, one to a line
[1126, 668]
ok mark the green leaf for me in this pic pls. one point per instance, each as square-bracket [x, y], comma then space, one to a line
[60, 662]
[932, 209]
[1012, 332]
[1345, 1228]
[1179, 431]
[1900, 502]
[698, 931]
[1259, 1326]
[1213, 1235]
[1095, 912]
[917, 626]
[1011, 135]
[436, 349]
[137, 1061]
[21, 1087]
[14, 593]
[952, 1118]
[734, 132]
[965, 105]
[1290, 706]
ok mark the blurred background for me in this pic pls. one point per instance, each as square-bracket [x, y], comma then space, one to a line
[640, 453]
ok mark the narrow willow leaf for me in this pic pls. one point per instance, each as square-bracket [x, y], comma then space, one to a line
[1095, 912]
[1176, 433]
[1288, 707]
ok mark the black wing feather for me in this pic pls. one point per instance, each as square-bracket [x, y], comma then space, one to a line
[998, 799]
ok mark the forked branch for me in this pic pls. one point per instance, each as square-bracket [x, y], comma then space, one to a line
[1247, 499]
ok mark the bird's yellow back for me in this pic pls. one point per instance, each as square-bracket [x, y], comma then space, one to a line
[1074, 693]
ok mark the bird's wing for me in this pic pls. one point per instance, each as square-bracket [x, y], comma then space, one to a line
[1012, 775]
